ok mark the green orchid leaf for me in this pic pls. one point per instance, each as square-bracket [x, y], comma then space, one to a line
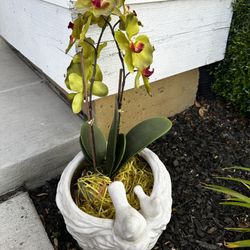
[132, 27]
[238, 244]
[147, 85]
[120, 151]
[100, 142]
[137, 79]
[100, 89]
[77, 103]
[145, 133]
[75, 83]
[86, 156]
[122, 40]
[112, 140]
[101, 47]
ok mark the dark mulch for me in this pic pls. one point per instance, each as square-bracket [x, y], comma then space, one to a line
[202, 142]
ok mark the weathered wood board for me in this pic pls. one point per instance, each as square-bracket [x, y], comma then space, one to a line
[187, 34]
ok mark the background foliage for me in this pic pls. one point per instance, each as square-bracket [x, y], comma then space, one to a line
[232, 75]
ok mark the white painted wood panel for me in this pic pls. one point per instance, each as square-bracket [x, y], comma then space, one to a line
[186, 34]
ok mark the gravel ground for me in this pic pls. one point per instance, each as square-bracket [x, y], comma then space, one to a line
[204, 140]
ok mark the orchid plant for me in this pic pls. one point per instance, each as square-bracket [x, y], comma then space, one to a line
[85, 80]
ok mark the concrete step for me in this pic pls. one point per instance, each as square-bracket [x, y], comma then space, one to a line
[21, 227]
[38, 133]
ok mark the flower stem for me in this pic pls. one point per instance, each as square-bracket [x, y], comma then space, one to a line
[91, 131]
[89, 103]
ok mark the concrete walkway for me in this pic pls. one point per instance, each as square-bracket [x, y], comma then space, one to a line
[21, 227]
[38, 132]
[38, 137]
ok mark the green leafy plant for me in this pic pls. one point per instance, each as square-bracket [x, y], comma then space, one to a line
[232, 75]
[236, 199]
[85, 80]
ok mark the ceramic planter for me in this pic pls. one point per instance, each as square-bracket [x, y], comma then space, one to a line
[131, 229]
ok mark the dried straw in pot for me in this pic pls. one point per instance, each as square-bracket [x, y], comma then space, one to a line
[92, 189]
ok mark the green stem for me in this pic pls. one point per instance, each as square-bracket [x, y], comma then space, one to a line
[90, 103]
[91, 132]
[120, 89]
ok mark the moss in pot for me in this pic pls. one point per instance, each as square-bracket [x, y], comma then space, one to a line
[109, 177]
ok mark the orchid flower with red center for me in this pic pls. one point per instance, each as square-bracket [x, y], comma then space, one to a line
[137, 53]
[99, 7]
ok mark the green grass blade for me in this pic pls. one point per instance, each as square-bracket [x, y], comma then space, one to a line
[237, 204]
[239, 168]
[228, 191]
[243, 181]
[246, 185]
[233, 199]
[86, 156]
[238, 244]
[238, 229]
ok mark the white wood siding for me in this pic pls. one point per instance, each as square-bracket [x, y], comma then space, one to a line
[186, 34]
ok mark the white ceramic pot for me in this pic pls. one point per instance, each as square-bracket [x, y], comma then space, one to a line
[131, 229]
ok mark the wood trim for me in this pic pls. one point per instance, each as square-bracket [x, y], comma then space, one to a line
[62, 3]
[68, 3]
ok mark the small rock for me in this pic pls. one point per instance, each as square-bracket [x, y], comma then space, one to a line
[211, 230]
[176, 163]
